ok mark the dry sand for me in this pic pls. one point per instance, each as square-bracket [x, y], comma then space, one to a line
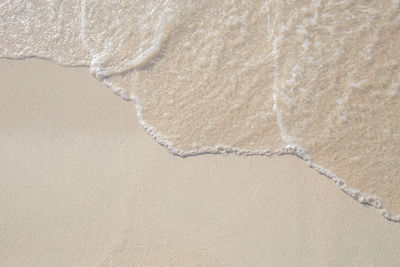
[82, 184]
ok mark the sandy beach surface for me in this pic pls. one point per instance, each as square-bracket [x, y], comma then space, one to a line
[82, 184]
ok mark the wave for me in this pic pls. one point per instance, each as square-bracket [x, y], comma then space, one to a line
[315, 79]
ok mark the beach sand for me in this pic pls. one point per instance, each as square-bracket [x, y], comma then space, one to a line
[82, 184]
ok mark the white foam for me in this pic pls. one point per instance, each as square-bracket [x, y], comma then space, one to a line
[292, 147]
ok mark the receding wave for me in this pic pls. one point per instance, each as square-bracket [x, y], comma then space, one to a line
[318, 79]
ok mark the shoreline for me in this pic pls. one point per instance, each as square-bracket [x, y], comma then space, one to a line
[290, 149]
[97, 182]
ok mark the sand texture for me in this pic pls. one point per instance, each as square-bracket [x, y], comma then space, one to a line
[82, 184]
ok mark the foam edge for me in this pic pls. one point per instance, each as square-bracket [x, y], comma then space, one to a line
[290, 149]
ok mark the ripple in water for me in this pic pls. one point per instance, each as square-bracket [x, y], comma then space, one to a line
[318, 79]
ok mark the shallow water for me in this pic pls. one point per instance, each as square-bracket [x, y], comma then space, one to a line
[319, 79]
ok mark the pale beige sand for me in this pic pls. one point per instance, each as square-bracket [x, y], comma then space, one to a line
[82, 184]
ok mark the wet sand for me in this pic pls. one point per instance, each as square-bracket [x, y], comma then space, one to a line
[82, 184]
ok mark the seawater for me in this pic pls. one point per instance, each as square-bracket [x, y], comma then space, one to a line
[319, 79]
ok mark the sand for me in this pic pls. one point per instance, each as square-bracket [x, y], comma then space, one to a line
[82, 184]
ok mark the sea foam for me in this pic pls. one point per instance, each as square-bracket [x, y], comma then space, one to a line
[317, 79]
